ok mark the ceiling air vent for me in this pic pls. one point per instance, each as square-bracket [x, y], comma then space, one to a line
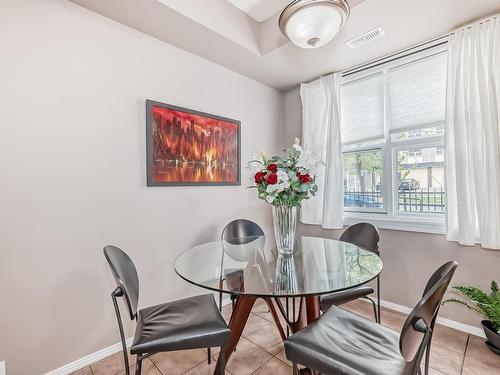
[365, 38]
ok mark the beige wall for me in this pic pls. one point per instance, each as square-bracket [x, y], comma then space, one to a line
[72, 170]
[410, 258]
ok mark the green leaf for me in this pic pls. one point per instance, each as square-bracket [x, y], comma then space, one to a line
[305, 187]
[484, 304]
[494, 286]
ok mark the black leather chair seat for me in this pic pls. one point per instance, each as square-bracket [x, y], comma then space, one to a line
[339, 298]
[188, 323]
[341, 342]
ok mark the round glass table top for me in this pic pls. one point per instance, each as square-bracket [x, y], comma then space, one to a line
[252, 266]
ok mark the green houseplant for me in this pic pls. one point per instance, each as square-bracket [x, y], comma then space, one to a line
[488, 305]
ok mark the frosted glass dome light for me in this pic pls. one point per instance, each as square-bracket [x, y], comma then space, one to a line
[313, 23]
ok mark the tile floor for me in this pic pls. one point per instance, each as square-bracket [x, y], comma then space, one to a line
[260, 351]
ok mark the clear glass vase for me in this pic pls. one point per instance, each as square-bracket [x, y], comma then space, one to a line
[285, 222]
[285, 277]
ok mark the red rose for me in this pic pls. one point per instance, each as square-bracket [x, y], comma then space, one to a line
[272, 167]
[272, 179]
[259, 176]
[304, 178]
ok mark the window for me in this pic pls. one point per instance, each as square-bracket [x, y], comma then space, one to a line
[363, 179]
[393, 142]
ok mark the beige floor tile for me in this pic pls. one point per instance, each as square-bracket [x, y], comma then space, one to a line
[112, 364]
[478, 351]
[266, 315]
[450, 338]
[254, 322]
[247, 358]
[204, 369]
[83, 371]
[275, 367]
[178, 362]
[445, 360]
[282, 357]
[393, 319]
[432, 371]
[476, 367]
[260, 306]
[214, 351]
[227, 310]
[268, 338]
[148, 368]
[361, 308]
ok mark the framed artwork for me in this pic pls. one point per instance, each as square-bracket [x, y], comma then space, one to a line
[186, 147]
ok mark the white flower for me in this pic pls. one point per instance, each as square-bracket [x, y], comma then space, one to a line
[270, 198]
[270, 189]
[282, 176]
[282, 184]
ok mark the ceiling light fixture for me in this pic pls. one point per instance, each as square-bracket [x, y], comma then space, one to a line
[313, 23]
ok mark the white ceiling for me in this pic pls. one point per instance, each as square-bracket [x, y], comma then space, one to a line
[228, 37]
[260, 10]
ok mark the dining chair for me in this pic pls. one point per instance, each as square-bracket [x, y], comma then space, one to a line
[238, 232]
[363, 235]
[189, 323]
[341, 342]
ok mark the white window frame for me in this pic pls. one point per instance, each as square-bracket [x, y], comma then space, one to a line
[389, 216]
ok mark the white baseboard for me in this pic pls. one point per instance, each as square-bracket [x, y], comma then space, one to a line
[94, 357]
[89, 359]
[476, 331]
[103, 353]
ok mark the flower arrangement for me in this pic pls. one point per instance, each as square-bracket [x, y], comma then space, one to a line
[286, 181]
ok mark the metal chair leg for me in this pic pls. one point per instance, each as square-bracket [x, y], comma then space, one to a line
[138, 365]
[295, 369]
[222, 357]
[220, 301]
[209, 355]
[118, 293]
[378, 299]
[375, 313]
[427, 356]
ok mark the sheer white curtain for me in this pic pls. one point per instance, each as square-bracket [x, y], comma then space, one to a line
[321, 132]
[473, 135]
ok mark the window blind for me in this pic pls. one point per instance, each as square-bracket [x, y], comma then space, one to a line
[417, 93]
[362, 110]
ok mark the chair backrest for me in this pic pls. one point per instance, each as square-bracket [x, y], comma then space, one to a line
[364, 235]
[241, 231]
[125, 275]
[411, 339]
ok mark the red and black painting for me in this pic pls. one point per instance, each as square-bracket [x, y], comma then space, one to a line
[186, 147]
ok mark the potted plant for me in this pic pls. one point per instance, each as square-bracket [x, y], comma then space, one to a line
[284, 182]
[488, 305]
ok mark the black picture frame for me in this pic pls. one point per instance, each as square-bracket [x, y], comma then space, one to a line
[149, 145]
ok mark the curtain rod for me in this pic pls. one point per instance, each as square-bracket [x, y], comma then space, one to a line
[397, 55]
[431, 43]
[440, 40]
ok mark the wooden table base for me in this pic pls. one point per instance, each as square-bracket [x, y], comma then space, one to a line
[308, 312]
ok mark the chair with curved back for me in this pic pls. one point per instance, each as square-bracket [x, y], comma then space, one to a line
[190, 323]
[341, 342]
[238, 232]
[364, 235]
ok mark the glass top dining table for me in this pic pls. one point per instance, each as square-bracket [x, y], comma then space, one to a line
[252, 266]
